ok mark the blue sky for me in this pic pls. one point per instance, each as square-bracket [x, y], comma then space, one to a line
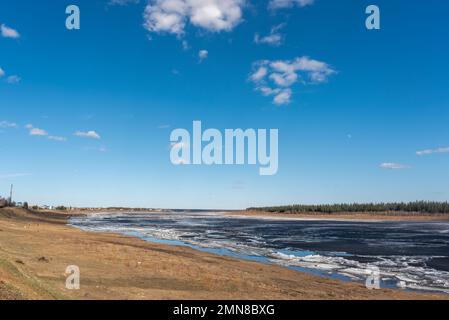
[86, 115]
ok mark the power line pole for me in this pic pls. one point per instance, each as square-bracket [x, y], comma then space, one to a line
[10, 194]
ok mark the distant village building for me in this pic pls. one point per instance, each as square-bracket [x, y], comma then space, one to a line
[3, 202]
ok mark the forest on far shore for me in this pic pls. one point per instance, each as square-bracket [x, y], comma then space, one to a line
[429, 207]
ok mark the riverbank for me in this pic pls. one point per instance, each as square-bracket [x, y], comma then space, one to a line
[35, 250]
[362, 216]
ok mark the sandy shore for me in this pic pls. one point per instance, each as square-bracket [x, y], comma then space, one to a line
[35, 250]
[349, 216]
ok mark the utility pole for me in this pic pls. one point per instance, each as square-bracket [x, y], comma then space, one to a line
[10, 194]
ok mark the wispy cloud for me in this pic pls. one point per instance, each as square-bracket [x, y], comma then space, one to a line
[282, 4]
[87, 134]
[14, 175]
[14, 79]
[273, 39]
[96, 149]
[172, 16]
[432, 151]
[122, 2]
[8, 32]
[57, 138]
[7, 124]
[185, 45]
[33, 131]
[203, 54]
[394, 166]
[275, 78]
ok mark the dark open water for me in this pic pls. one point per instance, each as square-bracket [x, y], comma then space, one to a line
[414, 254]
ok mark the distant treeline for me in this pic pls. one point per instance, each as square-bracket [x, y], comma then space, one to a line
[411, 207]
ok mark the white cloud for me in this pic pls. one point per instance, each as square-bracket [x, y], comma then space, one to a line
[203, 54]
[273, 39]
[36, 131]
[87, 134]
[2, 72]
[432, 151]
[284, 79]
[394, 166]
[281, 4]
[266, 91]
[259, 74]
[13, 79]
[7, 124]
[172, 16]
[43, 133]
[275, 78]
[9, 32]
[283, 97]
